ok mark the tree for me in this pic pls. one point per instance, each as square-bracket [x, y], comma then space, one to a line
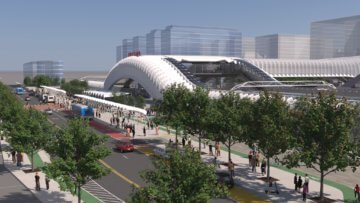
[74, 87]
[269, 126]
[76, 152]
[184, 177]
[40, 80]
[228, 119]
[322, 128]
[171, 110]
[27, 81]
[32, 133]
[196, 111]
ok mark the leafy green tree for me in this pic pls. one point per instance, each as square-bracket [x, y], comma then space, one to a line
[228, 120]
[32, 133]
[196, 110]
[184, 177]
[40, 80]
[27, 81]
[269, 126]
[171, 109]
[76, 152]
[74, 87]
[322, 128]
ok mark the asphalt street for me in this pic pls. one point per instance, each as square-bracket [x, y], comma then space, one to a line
[125, 167]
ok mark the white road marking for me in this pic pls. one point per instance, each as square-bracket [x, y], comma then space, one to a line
[125, 157]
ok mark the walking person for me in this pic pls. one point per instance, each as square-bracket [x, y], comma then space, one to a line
[253, 164]
[296, 182]
[231, 167]
[13, 156]
[300, 181]
[215, 162]
[183, 141]
[117, 122]
[144, 131]
[133, 132]
[210, 150]
[19, 158]
[47, 181]
[37, 182]
[111, 121]
[263, 167]
[217, 148]
[250, 158]
[357, 191]
[305, 191]
[307, 181]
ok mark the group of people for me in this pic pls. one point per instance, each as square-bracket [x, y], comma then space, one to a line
[299, 183]
[257, 160]
[17, 158]
[37, 182]
[217, 149]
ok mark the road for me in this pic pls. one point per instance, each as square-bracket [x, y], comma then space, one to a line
[125, 167]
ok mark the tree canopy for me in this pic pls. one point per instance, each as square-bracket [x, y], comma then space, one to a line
[74, 87]
[184, 177]
[40, 80]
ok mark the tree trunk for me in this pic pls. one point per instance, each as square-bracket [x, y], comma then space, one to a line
[32, 161]
[268, 169]
[176, 138]
[321, 184]
[79, 193]
[229, 152]
[200, 144]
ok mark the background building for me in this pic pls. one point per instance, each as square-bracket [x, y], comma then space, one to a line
[153, 42]
[248, 47]
[335, 38]
[127, 47]
[119, 51]
[282, 46]
[53, 69]
[191, 40]
[139, 44]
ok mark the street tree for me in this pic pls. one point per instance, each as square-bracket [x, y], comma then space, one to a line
[183, 177]
[74, 87]
[322, 128]
[228, 119]
[76, 153]
[269, 126]
[171, 109]
[32, 133]
[197, 108]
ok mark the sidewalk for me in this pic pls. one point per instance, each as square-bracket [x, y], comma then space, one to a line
[54, 194]
[244, 178]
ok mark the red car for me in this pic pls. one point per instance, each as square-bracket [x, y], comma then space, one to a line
[124, 146]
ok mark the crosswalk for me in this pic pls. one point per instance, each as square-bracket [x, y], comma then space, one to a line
[101, 193]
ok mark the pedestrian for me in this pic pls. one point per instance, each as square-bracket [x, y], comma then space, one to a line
[183, 141]
[253, 164]
[144, 131]
[189, 142]
[231, 167]
[133, 132]
[215, 162]
[152, 125]
[19, 159]
[217, 148]
[210, 149]
[263, 167]
[307, 180]
[157, 130]
[357, 191]
[47, 181]
[250, 158]
[257, 158]
[111, 121]
[305, 191]
[37, 182]
[117, 122]
[13, 156]
[296, 182]
[300, 181]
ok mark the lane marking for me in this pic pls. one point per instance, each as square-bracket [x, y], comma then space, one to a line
[119, 174]
[125, 157]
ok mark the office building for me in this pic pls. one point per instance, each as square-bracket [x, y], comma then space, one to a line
[139, 44]
[282, 46]
[119, 51]
[127, 47]
[191, 40]
[153, 42]
[338, 37]
[53, 69]
[248, 47]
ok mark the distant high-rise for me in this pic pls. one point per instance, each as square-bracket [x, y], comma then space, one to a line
[53, 69]
[127, 47]
[282, 46]
[248, 47]
[119, 51]
[139, 44]
[153, 42]
[191, 40]
[335, 38]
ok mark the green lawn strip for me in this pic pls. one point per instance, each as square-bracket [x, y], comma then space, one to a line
[85, 196]
[347, 191]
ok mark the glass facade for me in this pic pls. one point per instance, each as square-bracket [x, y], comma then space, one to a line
[53, 69]
[153, 42]
[139, 44]
[127, 47]
[119, 55]
[335, 38]
[282, 46]
[248, 47]
[189, 40]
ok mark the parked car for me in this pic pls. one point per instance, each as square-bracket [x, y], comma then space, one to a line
[27, 98]
[48, 111]
[124, 146]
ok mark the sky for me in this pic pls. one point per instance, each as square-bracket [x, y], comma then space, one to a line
[84, 33]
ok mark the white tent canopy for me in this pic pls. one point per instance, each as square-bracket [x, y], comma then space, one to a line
[113, 104]
[53, 89]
